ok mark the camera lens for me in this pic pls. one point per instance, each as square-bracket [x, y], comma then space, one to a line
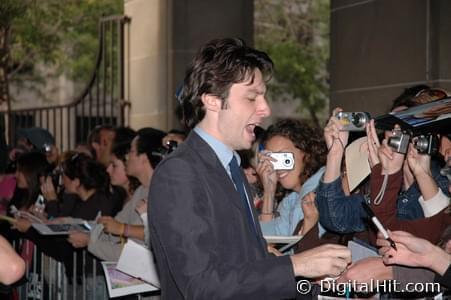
[287, 161]
[421, 144]
[359, 120]
[394, 142]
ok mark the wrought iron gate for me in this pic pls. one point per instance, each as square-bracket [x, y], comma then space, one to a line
[103, 101]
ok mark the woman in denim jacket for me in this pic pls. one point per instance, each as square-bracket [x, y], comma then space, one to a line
[309, 151]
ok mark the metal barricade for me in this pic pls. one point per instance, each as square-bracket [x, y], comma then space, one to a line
[46, 278]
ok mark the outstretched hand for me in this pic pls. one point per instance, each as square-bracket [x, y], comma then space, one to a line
[326, 260]
[413, 251]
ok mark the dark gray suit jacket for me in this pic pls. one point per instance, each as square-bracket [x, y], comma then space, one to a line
[200, 235]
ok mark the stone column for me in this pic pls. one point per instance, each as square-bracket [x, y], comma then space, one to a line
[378, 48]
[147, 63]
[164, 36]
[194, 22]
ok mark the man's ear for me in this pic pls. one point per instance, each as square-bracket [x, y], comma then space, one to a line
[211, 102]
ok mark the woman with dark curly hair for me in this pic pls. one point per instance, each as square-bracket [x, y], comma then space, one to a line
[309, 152]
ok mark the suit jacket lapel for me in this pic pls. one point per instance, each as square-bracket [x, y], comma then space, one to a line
[207, 154]
[213, 163]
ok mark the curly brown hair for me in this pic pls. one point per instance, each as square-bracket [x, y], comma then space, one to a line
[218, 65]
[304, 137]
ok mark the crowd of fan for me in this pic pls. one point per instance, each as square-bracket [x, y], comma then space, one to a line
[107, 180]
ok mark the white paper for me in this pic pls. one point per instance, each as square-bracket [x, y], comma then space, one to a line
[60, 228]
[121, 284]
[142, 268]
[357, 165]
[359, 251]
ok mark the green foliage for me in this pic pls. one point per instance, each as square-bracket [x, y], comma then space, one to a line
[295, 35]
[61, 34]
[9, 10]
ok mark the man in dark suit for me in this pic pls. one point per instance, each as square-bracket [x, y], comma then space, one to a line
[203, 227]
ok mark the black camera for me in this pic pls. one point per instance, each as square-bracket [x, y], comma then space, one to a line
[426, 144]
[162, 152]
[353, 121]
[399, 141]
[46, 148]
[171, 146]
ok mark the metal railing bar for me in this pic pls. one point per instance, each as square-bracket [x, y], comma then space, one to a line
[113, 29]
[102, 82]
[105, 70]
[74, 275]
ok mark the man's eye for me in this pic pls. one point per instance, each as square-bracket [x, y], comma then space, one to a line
[251, 99]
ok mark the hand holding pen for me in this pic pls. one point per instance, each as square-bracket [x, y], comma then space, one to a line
[378, 224]
[413, 251]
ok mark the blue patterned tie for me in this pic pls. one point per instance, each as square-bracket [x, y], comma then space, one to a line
[239, 184]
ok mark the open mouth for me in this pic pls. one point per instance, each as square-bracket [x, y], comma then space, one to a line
[250, 129]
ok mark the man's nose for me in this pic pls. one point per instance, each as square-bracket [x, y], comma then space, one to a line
[264, 110]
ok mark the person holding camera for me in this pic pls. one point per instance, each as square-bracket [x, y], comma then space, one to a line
[431, 229]
[344, 213]
[390, 171]
[299, 176]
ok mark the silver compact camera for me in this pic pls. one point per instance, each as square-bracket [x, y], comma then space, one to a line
[426, 144]
[285, 160]
[353, 121]
[399, 141]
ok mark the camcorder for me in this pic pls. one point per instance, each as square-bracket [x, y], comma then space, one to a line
[353, 121]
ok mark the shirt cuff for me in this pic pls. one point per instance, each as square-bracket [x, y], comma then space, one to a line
[434, 205]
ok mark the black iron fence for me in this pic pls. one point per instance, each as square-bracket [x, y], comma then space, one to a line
[102, 102]
[46, 278]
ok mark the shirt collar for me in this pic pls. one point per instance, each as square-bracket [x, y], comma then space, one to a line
[223, 152]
